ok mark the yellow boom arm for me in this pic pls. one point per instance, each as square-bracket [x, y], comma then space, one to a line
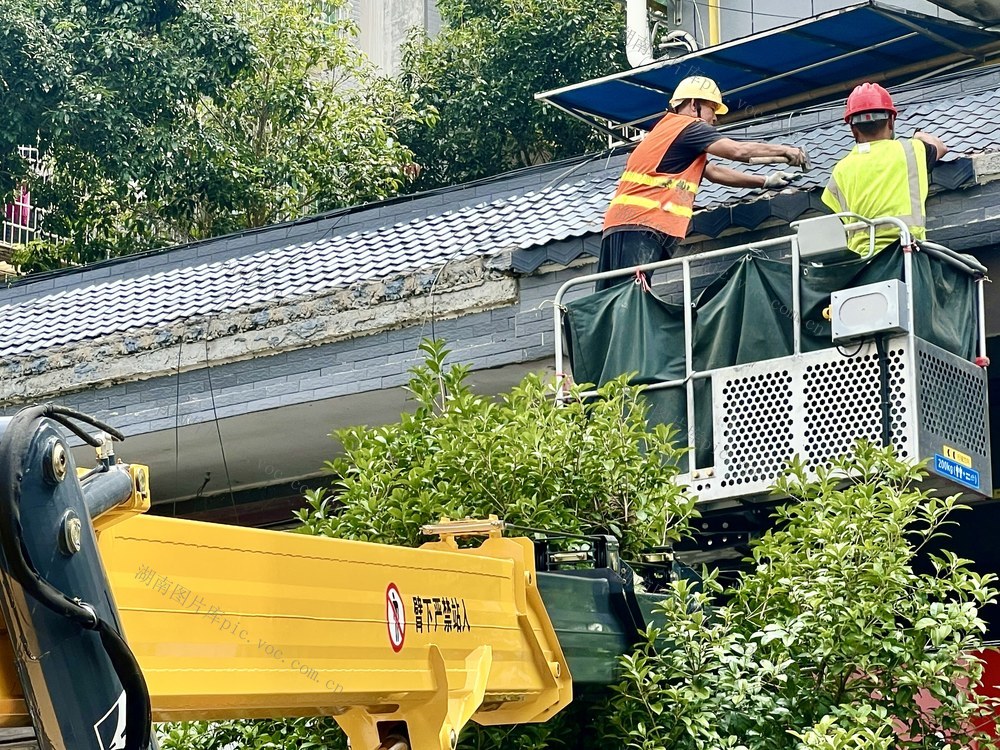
[227, 622]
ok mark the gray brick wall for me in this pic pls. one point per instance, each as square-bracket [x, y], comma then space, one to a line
[521, 333]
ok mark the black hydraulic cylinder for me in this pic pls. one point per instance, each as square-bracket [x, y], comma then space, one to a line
[107, 490]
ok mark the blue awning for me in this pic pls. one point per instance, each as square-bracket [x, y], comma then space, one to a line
[802, 63]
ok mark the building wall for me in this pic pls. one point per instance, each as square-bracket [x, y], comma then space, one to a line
[384, 25]
[515, 334]
[739, 18]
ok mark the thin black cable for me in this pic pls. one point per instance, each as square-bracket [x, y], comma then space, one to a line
[138, 705]
[840, 349]
[559, 178]
[177, 427]
[883, 382]
[218, 430]
[432, 315]
[99, 469]
[945, 80]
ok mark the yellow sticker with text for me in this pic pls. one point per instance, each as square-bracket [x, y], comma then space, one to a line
[957, 455]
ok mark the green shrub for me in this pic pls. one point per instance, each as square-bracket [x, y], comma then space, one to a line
[287, 734]
[827, 641]
[590, 466]
[587, 467]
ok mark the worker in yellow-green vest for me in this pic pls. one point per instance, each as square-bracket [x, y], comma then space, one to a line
[882, 176]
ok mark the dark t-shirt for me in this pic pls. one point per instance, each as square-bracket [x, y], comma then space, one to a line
[688, 146]
[931, 156]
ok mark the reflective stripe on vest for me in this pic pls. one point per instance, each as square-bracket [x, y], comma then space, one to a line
[649, 198]
[637, 200]
[656, 181]
[874, 181]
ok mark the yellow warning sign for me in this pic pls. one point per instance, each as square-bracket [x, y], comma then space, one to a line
[956, 455]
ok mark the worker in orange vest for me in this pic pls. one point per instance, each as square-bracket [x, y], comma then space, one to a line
[652, 207]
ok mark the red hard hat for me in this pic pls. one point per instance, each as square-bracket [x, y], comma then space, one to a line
[868, 97]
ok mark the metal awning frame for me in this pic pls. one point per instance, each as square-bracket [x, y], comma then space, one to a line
[958, 57]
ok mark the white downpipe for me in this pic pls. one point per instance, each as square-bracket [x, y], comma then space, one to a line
[638, 37]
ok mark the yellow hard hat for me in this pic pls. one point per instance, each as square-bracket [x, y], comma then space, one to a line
[699, 87]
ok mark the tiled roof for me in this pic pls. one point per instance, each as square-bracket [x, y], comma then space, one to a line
[969, 123]
[91, 311]
[573, 206]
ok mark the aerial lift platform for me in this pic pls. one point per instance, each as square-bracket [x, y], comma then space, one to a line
[883, 373]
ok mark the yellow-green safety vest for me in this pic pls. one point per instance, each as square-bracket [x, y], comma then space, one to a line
[881, 178]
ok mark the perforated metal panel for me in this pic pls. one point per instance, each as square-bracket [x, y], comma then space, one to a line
[814, 405]
[756, 420]
[843, 403]
[901, 390]
[817, 405]
[953, 399]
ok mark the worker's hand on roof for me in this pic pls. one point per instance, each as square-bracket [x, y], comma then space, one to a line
[777, 180]
[796, 156]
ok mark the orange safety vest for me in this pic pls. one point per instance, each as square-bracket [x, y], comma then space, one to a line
[653, 199]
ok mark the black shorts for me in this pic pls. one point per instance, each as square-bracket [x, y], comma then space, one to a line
[632, 247]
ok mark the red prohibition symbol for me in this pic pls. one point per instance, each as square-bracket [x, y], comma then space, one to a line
[395, 617]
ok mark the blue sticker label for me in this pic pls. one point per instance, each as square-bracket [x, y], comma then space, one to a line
[954, 470]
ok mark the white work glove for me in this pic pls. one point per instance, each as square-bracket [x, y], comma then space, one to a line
[777, 180]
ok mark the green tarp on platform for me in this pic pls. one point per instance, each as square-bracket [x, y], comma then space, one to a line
[745, 315]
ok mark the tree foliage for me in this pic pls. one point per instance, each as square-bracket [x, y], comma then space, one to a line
[481, 73]
[196, 121]
[831, 638]
[102, 87]
[306, 127]
[569, 730]
[170, 121]
[587, 467]
[287, 734]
